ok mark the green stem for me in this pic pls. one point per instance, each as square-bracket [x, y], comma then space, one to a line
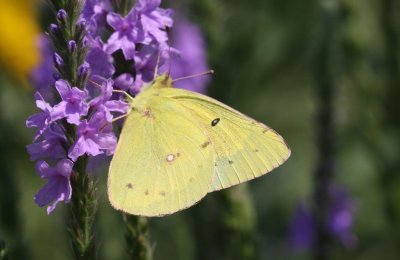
[324, 72]
[3, 250]
[389, 179]
[137, 238]
[238, 223]
[82, 212]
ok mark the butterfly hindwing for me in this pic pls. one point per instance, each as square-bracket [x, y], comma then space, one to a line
[244, 148]
[160, 165]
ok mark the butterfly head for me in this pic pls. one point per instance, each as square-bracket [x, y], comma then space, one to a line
[162, 81]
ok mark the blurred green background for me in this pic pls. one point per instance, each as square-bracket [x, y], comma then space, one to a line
[266, 57]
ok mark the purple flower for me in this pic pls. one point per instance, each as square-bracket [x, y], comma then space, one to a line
[42, 119]
[146, 62]
[95, 12]
[144, 24]
[126, 34]
[189, 40]
[126, 82]
[341, 217]
[73, 104]
[302, 229]
[101, 62]
[94, 137]
[103, 103]
[50, 147]
[58, 187]
[153, 20]
[42, 76]
[340, 221]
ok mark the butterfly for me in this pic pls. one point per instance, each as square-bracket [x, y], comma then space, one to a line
[176, 146]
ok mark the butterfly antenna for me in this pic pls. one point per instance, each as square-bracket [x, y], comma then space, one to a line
[157, 64]
[95, 83]
[114, 90]
[123, 92]
[195, 75]
[167, 29]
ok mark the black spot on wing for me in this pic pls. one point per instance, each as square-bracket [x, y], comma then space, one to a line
[205, 144]
[215, 121]
[129, 186]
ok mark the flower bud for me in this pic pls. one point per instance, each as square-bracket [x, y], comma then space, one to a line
[83, 70]
[71, 46]
[54, 28]
[56, 76]
[81, 25]
[62, 15]
[58, 60]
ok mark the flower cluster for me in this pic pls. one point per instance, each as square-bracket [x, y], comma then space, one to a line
[76, 79]
[340, 219]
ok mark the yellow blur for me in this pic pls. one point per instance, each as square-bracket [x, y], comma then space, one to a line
[19, 31]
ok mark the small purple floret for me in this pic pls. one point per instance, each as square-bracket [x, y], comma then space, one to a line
[62, 15]
[73, 104]
[94, 137]
[58, 186]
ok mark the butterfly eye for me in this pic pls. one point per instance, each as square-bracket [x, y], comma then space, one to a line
[215, 121]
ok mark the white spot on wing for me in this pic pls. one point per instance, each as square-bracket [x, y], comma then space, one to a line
[170, 157]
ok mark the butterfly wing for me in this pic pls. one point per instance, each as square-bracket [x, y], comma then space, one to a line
[159, 166]
[244, 148]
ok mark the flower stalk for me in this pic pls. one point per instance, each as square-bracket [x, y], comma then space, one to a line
[3, 250]
[67, 37]
[325, 65]
[390, 165]
[137, 238]
[83, 210]
[238, 223]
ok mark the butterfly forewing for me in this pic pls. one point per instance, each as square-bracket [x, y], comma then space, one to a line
[244, 148]
[160, 165]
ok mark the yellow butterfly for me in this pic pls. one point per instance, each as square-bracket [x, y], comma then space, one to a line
[176, 146]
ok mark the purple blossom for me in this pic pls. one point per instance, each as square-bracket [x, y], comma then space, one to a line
[126, 34]
[50, 147]
[101, 62]
[95, 12]
[189, 40]
[126, 82]
[73, 104]
[144, 24]
[58, 186]
[302, 229]
[146, 62]
[341, 216]
[42, 76]
[103, 103]
[94, 137]
[340, 221]
[42, 119]
[153, 20]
